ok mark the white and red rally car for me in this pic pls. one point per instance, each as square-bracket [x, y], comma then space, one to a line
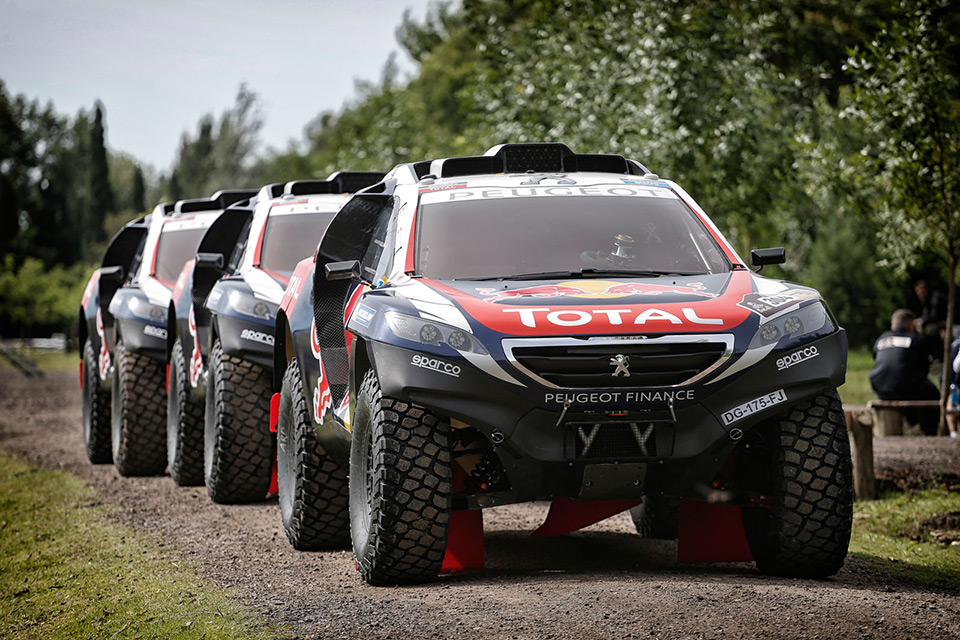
[535, 324]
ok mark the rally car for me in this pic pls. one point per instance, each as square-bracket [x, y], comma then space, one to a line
[136, 353]
[223, 312]
[535, 324]
[95, 329]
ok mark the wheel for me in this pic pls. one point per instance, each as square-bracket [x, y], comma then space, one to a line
[96, 410]
[138, 420]
[657, 517]
[237, 443]
[810, 476]
[184, 424]
[313, 492]
[400, 488]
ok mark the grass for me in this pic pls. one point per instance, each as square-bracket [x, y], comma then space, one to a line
[888, 531]
[47, 359]
[67, 570]
[857, 388]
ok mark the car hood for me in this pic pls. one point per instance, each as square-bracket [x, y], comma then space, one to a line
[593, 306]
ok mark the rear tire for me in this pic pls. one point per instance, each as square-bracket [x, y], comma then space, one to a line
[184, 424]
[400, 488]
[657, 517]
[138, 421]
[237, 443]
[96, 410]
[807, 532]
[313, 488]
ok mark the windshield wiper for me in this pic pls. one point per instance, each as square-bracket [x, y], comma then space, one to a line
[589, 272]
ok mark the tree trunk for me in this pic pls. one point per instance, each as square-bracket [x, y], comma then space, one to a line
[947, 341]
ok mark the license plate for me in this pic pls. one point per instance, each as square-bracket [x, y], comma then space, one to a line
[757, 404]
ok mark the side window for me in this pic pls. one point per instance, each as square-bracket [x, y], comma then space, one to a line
[237, 254]
[377, 257]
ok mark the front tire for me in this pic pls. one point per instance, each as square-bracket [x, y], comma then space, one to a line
[400, 488]
[807, 532]
[237, 443]
[184, 424]
[138, 414]
[313, 489]
[96, 410]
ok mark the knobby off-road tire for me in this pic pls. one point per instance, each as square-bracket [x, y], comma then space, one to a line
[313, 488]
[400, 488]
[184, 424]
[657, 517]
[237, 443]
[138, 421]
[96, 410]
[807, 532]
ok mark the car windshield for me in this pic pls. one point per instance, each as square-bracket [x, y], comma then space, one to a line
[174, 248]
[468, 237]
[288, 239]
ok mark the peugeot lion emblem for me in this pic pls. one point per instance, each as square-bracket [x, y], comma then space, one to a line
[622, 364]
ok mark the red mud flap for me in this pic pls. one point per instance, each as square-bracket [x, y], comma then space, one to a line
[465, 537]
[81, 375]
[274, 412]
[168, 378]
[568, 515]
[274, 420]
[711, 533]
[464, 542]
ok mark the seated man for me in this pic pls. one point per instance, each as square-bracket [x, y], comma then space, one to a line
[900, 372]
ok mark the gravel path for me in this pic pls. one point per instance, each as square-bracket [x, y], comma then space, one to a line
[605, 582]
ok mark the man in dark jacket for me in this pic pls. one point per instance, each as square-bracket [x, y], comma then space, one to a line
[900, 372]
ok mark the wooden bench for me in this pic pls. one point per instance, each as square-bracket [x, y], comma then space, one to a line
[887, 416]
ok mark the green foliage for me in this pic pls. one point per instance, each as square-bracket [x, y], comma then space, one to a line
[67, 570]
[34, 297]
[222, 153]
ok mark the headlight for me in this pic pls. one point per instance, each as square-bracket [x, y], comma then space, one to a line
[802, 325]
[431, 332]
[250, 306]
[148, 311]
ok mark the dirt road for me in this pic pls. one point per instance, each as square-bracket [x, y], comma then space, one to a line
[603, 583]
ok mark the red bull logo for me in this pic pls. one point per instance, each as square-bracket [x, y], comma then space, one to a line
[322, 398]
[103, 358]
[196, 360]
[595, 289]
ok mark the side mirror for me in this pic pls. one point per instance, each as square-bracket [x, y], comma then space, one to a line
[210, 260]
[762, 257]
[112, 274]
[346, 270]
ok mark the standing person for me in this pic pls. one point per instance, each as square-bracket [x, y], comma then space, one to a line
[953, 402]
[901, 367]
[933, 317]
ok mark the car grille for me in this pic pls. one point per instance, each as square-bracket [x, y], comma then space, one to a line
[592, 362]
[612, 440]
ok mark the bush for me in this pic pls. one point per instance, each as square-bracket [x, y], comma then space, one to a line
[36, 300]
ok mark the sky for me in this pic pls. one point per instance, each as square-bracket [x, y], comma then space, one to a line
[159, 65]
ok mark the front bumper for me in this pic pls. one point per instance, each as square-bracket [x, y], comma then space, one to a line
[594, 445]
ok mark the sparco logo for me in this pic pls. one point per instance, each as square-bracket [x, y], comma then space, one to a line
[436, 365]
[156, 332]
[257, 336]
[796, 358]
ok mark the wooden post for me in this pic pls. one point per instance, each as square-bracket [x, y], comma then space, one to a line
[887, 421]
[864, 482]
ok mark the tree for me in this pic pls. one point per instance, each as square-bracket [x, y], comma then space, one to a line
[101, 193]
[138, 191]
[908, 96]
